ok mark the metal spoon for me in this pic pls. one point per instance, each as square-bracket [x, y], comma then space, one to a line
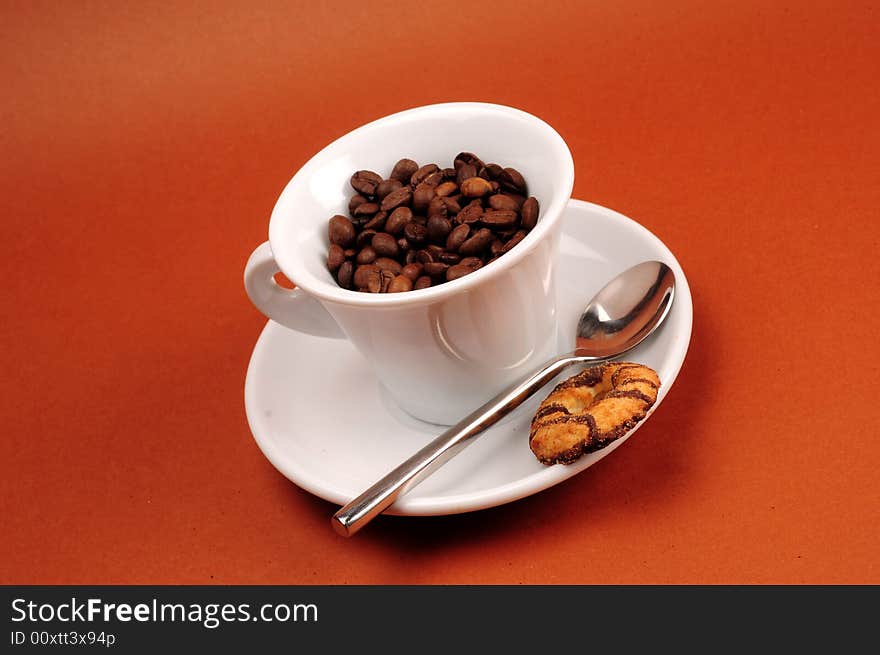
[618, 318]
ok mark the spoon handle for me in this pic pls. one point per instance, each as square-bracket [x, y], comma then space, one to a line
[407, 475]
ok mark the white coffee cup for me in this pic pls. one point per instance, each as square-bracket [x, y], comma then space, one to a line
[440, 352]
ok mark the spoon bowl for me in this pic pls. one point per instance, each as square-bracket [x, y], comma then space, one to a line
[619, 317]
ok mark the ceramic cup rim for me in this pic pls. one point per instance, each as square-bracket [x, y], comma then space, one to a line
[551, 211]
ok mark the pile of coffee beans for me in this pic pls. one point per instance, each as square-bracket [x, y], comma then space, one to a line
[425, 225]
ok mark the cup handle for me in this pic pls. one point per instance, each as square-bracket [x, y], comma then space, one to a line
[292, 308]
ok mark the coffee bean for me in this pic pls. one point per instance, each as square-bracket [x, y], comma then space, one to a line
[421, 220]
[350, 253]
[410, 256]
[471, 213]
[472, 262]
[345, 274]
[436, 269]
[403, 244]
[365, 182]
[365, 238]
[385, 245]
[437, 208]
[484, 173]
[403, 170]
[449, 258]
[434, 179]
[415, 233]
[503, 202]
[422, 283]
[365, 209]
[335, 257]
[400, 283]
[477, 243]
[422, 173]
[499, 218]
[457, 237]
[374, 281]
[452, 206]
[475, 187]
[388, 264]
[387, 277]
[446, 189]
[494, 171]
[401, 196]
[422, 196]
[439, 228]
[464, 172]
[398, 220]
[457, 271]
[424, 257]
[515, 239]
[356, 199]
[367, 255]
[449, 174]
[496, 247]
[362, 274]
[387, 186]
[412, 271]
[377, 222]
[463, 158]
[530, 213]
[341, 231]
[511, 179]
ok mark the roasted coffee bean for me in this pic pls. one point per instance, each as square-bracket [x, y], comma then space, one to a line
[494, 171]
[495, 186]
[435, 250]
[341, 231]
[387, 186]
[422, 283]
[356, 199]
[449, 258]
[335, 257]
[496, 247]
[464, 172]
[434, 179]
[403, 244]
[484, 173]
[398, 220]
[422, 173]
[457, 271]
[457, 237]
[362, 274]
[471, 213]
[415, 233]
[503, 202]
[515, 239]
[374, 281]
[388, 264]
[346, 271]
[350, 253]
[385, 245]
[424, 257]
[511, 179]
[365, 209]
[367, 255]
[400, 283]
[410, 256]
[422, 196]
[412, 271]
[529, 213]
[499, 218]
[463, 158]
[452, 206]
[472, 262]
[475, 187]
[446, 189]
[365, 182]
[377, 222]
[477, 243]
[449, 174]
[365, 238]
[436, 269]
[439, 228]
[437, 208]
[421, 220]
[403, 170]
[401, 196]
[387, 277]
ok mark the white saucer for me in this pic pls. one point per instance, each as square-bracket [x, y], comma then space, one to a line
[323, 420]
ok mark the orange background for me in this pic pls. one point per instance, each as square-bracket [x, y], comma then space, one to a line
[144, 145]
